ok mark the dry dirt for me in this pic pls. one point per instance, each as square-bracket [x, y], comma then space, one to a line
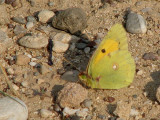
[100, 19]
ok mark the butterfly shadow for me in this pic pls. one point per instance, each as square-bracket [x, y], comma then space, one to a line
[151, 87]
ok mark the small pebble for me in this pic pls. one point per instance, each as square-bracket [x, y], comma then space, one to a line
[10, 71]
[69, 111]
[82, 113]
[50, 3]
[35, 41]
[87, 103]
[36, 73]
[57, 108]
[136, 23]
[19, 20]
[102, 117]
[45, 16]
[32, 64]
[22, 60]
[134, 96]
[134, 112]
[45, 113]
[60, 71]
[29, 25]
[87, 50]
[31, 19]
[60, 47]
[15, 87]
[2, 1]
[71, 76]
[61, 41]
[39, 81]
[72, 46]
[19, 30]
[81, 45]
[140, 72]
[149, 56]
[24, 84]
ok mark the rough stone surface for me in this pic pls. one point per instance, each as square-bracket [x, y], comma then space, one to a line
[61, 41]
[35, 41]
[71, 76]
[4, 17]
[45, 16]
[19, 20]
[73, 20]
[136, 23]
[72, 95]
[19, 30]
[123, 110]
[13, 110]
[22, 60]
[5, 41]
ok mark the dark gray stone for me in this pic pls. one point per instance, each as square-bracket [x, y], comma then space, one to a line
[19, 20]
[72, 20]
[136, 23]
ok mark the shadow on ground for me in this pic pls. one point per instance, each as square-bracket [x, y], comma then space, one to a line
[151, 87]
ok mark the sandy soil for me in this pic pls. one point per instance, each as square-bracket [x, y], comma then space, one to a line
[100, 19]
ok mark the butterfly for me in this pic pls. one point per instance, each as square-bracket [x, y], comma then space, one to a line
[111, 66]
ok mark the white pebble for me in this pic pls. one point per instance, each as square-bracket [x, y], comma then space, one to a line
[30, 56]
[39, 81]
[15, 87]
[69, 111]
[45, 15]
[33, 59]
[13, 109]
[45, 113]
[140, 72]
[82, 113]
[24, 84]
[33, 64]
[10, 71]
[29, 25]
[134, 112]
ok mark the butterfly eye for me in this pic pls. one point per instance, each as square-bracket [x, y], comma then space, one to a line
[103, 50]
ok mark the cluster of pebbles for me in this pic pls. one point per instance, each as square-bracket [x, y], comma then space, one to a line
[65, 29]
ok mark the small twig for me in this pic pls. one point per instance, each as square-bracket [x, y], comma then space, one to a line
[8, 82]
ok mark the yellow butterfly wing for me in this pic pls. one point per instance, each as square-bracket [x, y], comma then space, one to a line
[115, 39]
[113, 71]
[111, 66]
